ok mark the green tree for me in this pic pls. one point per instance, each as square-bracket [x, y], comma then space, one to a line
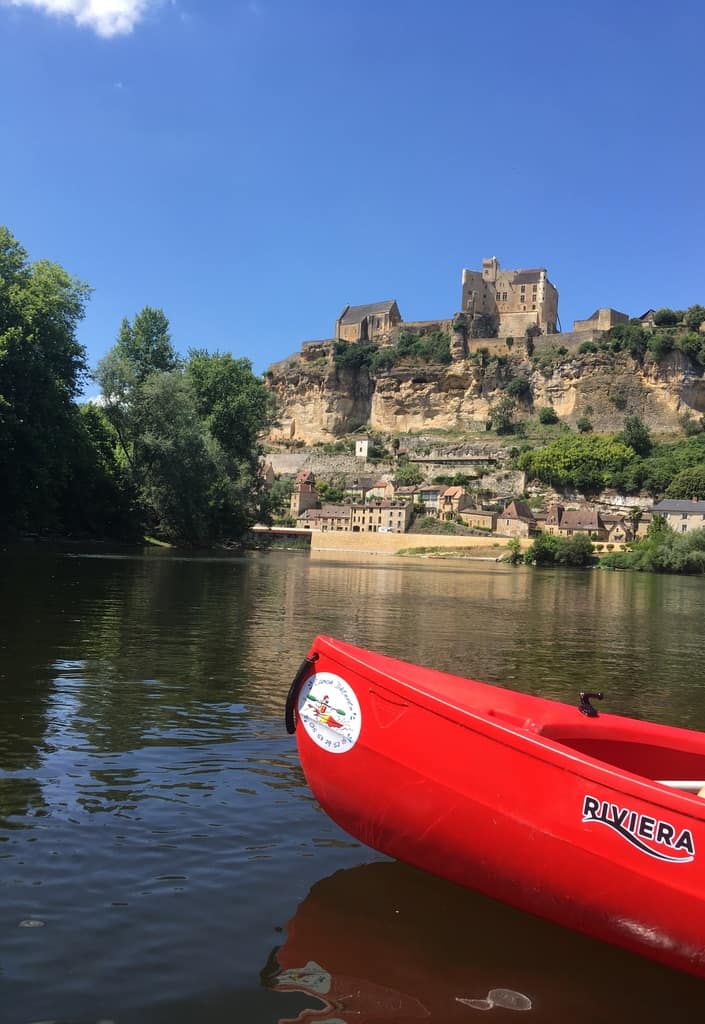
[146, 344]
[501, 414]
[548, 549]
[406, 475]
[42, 370]
[636, 434]
[515, 556]
[279, 496]
[585, 461]
[548, 415]
[694, 317]
[519, 388]
[584, 424]
[689, 483]
[660, 344]
[188, 434]
[666, 317]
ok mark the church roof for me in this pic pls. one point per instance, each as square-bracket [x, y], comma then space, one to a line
[356, 314]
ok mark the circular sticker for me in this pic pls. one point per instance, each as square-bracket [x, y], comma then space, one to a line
[330, 712]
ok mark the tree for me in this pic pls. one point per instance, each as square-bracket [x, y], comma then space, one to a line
[636, 434]
[188, 433]
[583, 461]
[146, 343]
[515, 556]
[42, 370]
[660, 344]
[689, 483]
[406, 475]
[584, 424]
[519, 387]
[548, 415]
[666, 317]
[694, 317]
[501, 415]
[232, 401]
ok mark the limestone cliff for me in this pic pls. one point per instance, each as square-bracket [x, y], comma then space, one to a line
[317, 401]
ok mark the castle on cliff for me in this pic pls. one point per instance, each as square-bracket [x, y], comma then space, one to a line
[494, 303]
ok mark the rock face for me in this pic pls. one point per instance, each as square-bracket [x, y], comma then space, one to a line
[317, 402]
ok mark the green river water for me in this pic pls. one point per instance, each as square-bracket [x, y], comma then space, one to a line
[161, 857]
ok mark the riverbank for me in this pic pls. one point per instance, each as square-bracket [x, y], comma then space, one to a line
[411, 544]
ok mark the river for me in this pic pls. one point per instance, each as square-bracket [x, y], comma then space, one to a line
[161, 857]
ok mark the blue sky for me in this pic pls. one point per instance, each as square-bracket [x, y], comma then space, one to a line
[251, 166]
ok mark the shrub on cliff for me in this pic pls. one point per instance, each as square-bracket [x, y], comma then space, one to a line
[548, 415]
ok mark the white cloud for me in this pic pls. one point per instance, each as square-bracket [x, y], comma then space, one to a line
[106, 17]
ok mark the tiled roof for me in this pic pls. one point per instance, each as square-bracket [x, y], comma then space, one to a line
[553, 516]
[580, 519]
[356, 314]
[680, 505]
[518, 510]
[328, 512]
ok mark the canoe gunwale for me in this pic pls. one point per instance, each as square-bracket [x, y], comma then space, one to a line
[531, 737]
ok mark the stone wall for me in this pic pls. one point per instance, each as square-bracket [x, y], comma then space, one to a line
[390, 543]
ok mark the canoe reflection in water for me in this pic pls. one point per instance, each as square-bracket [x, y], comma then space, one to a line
[384, 942]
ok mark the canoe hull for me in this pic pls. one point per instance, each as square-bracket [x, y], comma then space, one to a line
[485, 800]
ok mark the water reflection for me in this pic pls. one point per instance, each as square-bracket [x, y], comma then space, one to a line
[386, 942]
[153, 812]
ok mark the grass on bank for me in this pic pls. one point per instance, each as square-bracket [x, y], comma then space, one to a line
[481, 551]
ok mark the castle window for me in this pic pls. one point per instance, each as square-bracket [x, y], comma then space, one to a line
[504, 296]
[534, 306]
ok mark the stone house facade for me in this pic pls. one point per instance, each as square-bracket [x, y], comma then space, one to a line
[452, 501]
[479, 519]
[516, 520]
[682, 515]
[373, 322]
[601, 320]
[380, 516]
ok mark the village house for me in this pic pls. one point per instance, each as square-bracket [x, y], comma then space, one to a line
[516, 520]
[682, 515]
[568, 522]
[617, 528]
[382, 489]
[479, 519]
[429, 496]
[360, 487]
[381, 516]
[327, 519]
[452, 501]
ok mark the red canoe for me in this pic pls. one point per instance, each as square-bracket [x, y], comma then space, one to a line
[591, 821]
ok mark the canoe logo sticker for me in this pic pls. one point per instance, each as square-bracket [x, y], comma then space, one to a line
[330, 712]
[656, 838]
